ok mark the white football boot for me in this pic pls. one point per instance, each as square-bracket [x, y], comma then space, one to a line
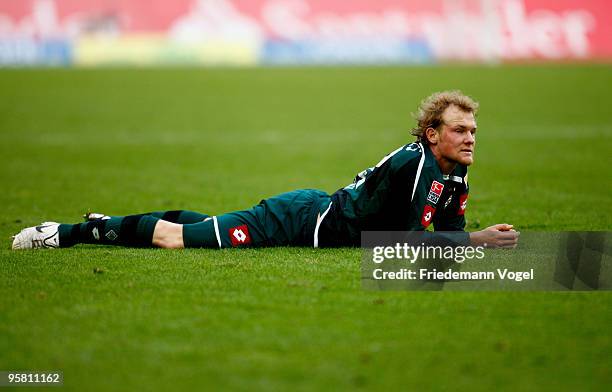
[45, 235]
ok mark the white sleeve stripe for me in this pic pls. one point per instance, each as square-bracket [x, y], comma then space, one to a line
[316, 232]
[418, 174]
[217, 230]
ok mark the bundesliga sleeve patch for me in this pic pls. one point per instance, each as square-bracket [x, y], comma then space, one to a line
[462, 204]
[435, 192]
[428, 214]
[239, 235]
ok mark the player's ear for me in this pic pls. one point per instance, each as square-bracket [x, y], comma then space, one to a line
[431, 135]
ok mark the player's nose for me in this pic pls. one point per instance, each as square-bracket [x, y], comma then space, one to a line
[470, 138]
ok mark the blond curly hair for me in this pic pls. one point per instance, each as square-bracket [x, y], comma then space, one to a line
[430, 110]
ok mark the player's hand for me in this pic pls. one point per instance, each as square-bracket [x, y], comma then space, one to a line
[501, 235]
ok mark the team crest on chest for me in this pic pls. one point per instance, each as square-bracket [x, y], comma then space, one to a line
[448, 201]
[435, 192]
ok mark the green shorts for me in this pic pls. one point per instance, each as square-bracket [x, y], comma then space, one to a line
[287, 219]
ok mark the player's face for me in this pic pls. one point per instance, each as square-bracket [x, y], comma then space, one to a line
[457, 136]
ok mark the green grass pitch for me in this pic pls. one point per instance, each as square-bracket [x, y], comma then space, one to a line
[214, 140]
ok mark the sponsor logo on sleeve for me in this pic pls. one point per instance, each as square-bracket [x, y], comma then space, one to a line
[240, 235]
[462, 204]
[435, 192]
[428, 214]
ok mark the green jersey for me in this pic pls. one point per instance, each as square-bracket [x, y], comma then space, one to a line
[405, 191]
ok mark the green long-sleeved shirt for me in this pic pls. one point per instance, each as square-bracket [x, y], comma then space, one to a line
[405, 191]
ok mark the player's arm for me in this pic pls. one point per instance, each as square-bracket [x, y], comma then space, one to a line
[452, 219]
[501, 235]
[497, 236]
[449, 220]
[449, 228]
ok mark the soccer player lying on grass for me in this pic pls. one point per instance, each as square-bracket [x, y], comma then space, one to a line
[418, 184]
